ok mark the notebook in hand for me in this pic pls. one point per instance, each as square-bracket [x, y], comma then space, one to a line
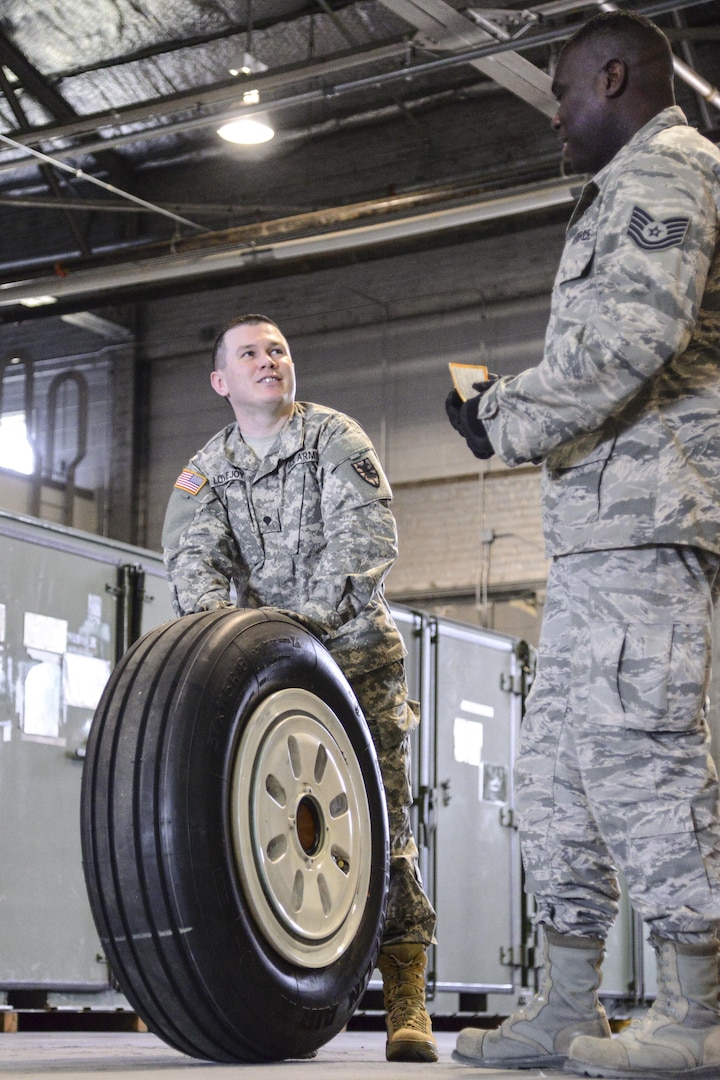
[464, 375]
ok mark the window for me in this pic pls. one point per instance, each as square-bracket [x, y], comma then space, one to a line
[16, 453]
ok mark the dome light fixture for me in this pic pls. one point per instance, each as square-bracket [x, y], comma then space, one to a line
[248, 130]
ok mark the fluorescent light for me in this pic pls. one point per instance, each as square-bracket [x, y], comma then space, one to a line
[96, 324]
[246, 131]
[38, 301]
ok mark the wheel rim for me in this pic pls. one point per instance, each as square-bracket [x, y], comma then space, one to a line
[300, 824]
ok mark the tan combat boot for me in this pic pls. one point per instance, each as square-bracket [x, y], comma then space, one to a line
[410, 1036]
[538, 1036]
[679, 1036]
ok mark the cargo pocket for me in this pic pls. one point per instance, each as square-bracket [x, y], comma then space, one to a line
[664, 856]
[647, 676]
[574, 473]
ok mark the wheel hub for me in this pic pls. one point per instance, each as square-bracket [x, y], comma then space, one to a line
[301, 827]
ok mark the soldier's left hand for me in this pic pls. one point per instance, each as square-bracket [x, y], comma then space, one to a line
[474, 430]
[453, 405]
[463, 415]
[484, 385]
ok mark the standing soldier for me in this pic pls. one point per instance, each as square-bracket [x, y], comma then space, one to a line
[623, 411]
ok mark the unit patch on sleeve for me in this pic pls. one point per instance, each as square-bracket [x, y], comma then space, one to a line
[367, 471]
[653, 235]
[190, 481]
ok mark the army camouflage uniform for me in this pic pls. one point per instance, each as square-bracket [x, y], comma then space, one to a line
[624, 413]
[308, 529]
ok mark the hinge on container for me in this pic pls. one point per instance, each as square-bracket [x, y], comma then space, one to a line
[507, 817]
[512, 956]
[425, 801]
[511, 684]
[519, 956]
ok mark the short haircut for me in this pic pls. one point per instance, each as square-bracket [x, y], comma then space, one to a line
[218, 351]
[637, 32]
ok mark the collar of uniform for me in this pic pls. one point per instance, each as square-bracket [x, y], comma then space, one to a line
[587, 196]
[237, 450]
[239, 453]
[290, 440]
[291, 436]
[670, 117]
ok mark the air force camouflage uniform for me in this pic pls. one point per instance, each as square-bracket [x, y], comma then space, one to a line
[624, 413]
[308, 529]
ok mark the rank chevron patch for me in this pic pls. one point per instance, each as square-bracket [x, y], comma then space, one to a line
[653, 235]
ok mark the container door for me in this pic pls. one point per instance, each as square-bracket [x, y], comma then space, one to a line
[59, 616]
[479, 691]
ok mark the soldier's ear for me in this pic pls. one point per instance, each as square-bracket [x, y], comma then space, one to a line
[218, 383]
[615, 77]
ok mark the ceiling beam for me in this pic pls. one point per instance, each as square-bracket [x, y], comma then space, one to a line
[38, 87]
[203, 261]
[440, 26]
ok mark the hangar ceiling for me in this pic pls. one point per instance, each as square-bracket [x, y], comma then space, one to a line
[396, 121]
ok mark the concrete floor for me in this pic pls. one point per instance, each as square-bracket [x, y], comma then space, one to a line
[137, 1056]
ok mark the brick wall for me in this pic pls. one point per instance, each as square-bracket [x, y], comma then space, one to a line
[462, 533]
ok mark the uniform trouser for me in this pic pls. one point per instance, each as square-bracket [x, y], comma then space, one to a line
[383, 697]
[613, 770]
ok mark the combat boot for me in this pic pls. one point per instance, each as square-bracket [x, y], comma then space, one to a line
[680, 1034]
[409, 1032]
[539, 1035]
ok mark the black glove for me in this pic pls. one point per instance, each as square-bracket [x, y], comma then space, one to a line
[485, 384]
[453, 405]
[464, 418]
[474, 430]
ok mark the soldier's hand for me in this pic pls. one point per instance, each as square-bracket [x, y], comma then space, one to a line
[485, 384]
[475, 433]
[453, 405]
[305, 621]
[463, 415]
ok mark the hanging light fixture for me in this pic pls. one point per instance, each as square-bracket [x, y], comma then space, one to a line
[248, 130]
[256, 128]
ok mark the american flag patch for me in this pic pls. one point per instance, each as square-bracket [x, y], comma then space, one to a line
[190, 481]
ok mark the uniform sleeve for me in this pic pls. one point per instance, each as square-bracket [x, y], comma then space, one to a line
[198, 549]
[359, 531]
[623, 314]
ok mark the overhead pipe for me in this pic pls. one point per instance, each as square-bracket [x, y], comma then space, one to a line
[199, 263]
[701, 86]
[46, 159]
